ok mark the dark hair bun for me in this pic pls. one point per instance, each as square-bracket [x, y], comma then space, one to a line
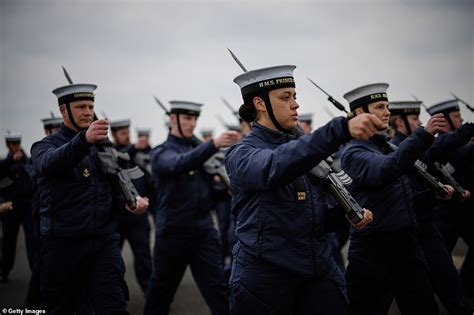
[247, 113]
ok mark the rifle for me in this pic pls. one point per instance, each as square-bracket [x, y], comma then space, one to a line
[419, 166]
[107, 157]
[5, 182]
[234, 112]
[445, 170]
[143, 162]
[324, 173]
[215, 164]
[335, 178]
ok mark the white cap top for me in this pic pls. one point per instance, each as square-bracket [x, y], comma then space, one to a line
[123, 123]
[270, 78]
[366, 94]
[74, 92]
[143, 131]
[405, 107]
[13, 137]
[184, 107]
[446, 106]
[305, 117]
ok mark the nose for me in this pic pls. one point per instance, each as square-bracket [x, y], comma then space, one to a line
[295, 105]
[89, 111]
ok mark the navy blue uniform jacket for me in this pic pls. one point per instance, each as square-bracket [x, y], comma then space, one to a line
[75, 199]
[183, 188]
[279, 213]
[380, 180]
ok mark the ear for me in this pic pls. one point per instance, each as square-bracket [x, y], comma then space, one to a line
[259, 104]
[399, 122]
[359, 111]
[63, 111]
[173, 118]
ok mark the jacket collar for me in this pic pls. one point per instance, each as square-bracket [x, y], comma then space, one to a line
[178, 140]
[399, 136]
[67, 132]
[269, 135]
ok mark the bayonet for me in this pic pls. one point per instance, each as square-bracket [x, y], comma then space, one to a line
[68, 78]
[422, 103]
[221, 120]
[462, 101]
[229, 106]
[161, 105]
[234, 112]
[330, 98]
[329, 112]
[237, 60]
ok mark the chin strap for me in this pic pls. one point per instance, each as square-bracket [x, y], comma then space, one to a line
[71, 117]
[266, 99]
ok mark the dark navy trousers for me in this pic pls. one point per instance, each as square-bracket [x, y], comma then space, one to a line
[443, 274]
[171, 257]
[136, 230]
[454, 221]
[382, 264]
[258, 287]
[79, 269]
[20, 215]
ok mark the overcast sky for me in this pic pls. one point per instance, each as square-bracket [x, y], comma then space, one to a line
[177, 51]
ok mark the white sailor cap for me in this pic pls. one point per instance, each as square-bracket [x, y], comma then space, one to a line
[75, 92]
[143, 132]
[233, 127]
[444, 107]
[184, 107]
[13, 137]
[119, 124]
[307, 117]
[51, 122]
[404, 107]
[265, 79]
[206, 132]
[366, 94]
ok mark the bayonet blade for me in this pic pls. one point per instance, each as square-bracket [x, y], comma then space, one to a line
[221, 120]
[237, 60]
[161, 105]
[68, 78]
[464, 102]
[422, 103]
[329, 112]
[314, 83]
[228, 106]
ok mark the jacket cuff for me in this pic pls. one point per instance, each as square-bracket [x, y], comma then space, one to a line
[424, 136]
[345, 127]
[81, 141]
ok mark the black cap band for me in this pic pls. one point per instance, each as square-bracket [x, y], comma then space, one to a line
[404, 111]
[267, 85]
[184, 111]
[76, 97]
[366, 100]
